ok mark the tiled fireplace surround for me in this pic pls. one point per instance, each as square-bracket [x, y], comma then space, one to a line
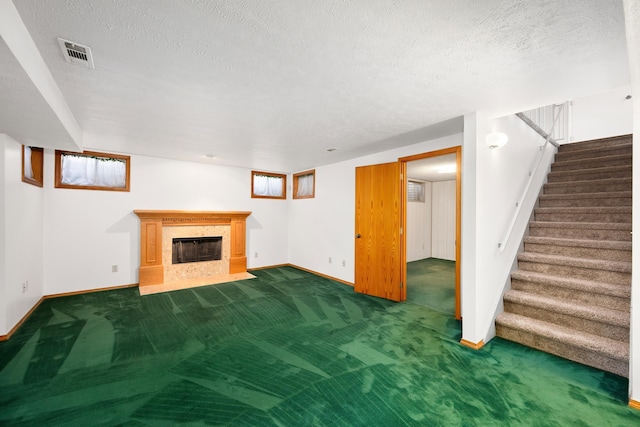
[159, 227]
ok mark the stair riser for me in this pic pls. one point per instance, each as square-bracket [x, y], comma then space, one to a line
[580, 233]
[576, 296]
[579, 252]
[590, 163]
[588, 175]
[615, 332]
[584, 202]
[584, 217]
[606, 276]
[567, 351]
[621, 150]
[595, 187]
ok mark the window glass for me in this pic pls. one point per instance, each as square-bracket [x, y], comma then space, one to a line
[304, 185]
[32, 165]
[415, 191]
[268, 185]
[93, 171]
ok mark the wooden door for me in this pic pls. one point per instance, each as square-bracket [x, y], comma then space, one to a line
[378, 263]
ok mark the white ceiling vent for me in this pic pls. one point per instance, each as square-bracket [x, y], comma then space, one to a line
[76, 53]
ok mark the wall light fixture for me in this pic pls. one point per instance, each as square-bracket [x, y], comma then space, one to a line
[496, 139]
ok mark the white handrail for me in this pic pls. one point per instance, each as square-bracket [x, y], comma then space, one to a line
[503, 243]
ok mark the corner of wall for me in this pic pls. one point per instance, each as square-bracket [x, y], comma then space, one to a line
[3, 300]
[22, 243]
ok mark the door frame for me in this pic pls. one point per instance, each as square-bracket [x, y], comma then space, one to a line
[457, 150]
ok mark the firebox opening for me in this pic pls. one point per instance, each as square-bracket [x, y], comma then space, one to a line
[196, 249]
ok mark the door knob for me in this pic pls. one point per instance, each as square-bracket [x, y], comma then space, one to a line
[358, 236]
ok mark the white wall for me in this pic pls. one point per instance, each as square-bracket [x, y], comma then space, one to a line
[431, 226]
[3, 261]
[22, 242]
[324, 226]
[489, 205]
[602, 115]
[419, 227]
[632, 27]
[86, 232]
[443, 230]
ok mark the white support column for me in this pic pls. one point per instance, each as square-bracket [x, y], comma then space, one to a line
[471, 315]
[632, 25]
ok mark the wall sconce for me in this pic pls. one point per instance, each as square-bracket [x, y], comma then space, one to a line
[496, 139]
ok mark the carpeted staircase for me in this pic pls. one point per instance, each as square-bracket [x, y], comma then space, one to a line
[570, 295]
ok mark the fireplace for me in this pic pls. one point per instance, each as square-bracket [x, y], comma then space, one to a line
[196, 249]
[160, 229]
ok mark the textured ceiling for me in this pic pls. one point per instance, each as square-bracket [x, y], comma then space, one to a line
[439, 168]
[274, 84]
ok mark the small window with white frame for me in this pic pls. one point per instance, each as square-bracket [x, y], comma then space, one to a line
[415, 191]
[304, 185]
[268, 185]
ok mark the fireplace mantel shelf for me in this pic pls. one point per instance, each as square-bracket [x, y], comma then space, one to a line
[187, 217]
[152, 222]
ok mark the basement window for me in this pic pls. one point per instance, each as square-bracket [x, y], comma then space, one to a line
[91, 170]
[415, 191]
[267, 185]
[304, 185]
[32, 165]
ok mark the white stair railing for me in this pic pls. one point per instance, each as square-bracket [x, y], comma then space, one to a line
[552, 120]
[555, 118]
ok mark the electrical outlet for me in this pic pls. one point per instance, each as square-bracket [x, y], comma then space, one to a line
[344, 263]
[114, 268]
[329, 260]
[256, 255]
[25, 286]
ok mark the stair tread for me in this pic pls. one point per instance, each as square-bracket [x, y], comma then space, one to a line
[569, 162]
[592, 157]
[597, 151]
[578, 224]
[585, 311]
[606, 142]
[587, 209]
[595, 195]
[580, 243]
[612, 348]
[605, 265]
[582, 164]
[615, 168]
[592, 286]
[614, 180]
[595, 148]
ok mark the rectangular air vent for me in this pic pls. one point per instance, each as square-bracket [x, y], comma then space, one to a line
[75, 53]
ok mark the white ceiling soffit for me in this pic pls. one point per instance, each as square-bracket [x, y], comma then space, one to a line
[33, 111]
[273, 85]
[34, 122]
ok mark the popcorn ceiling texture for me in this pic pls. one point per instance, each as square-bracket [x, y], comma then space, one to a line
[286, 80]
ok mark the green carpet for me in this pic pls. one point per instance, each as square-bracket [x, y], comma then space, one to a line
[285, 349]
[431, 283]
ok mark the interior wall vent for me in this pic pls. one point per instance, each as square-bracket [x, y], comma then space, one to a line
[75, 53]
